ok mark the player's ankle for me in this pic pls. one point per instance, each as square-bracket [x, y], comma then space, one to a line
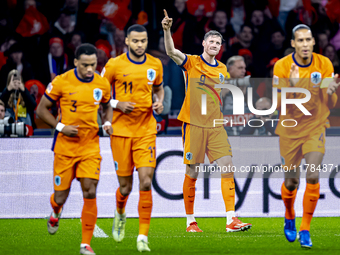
[142, 238]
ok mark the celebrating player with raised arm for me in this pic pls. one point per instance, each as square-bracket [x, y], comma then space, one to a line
[134, 76]
[76, 141]
[200, 136]
[308, 70]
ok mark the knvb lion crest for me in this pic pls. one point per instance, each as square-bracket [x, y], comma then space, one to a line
[188, 156]
[316, 77]
[97, 94]
[151, 74]
[221, 77]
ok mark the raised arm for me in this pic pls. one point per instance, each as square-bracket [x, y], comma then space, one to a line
[173, 53]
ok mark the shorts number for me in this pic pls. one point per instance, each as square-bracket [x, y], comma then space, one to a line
[321, 138]
[74, 106]
[153, 152]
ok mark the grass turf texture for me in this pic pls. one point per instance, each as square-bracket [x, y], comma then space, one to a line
[168, 236]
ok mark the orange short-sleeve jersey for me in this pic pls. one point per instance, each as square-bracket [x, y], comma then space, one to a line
[201, 78]
[310, 78]
[133, 82]
[79, 102]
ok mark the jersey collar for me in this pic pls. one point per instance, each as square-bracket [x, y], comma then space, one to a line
[208, 63]
[311, 60]
[135, 62]
[80, 79]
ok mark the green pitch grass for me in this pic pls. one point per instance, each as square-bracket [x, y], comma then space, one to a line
[168, 236]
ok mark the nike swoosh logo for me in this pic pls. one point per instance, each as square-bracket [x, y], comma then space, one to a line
[72, 93]
[96, 173]
[126, 74]
[231, 188]
[150, 161]
[144, 207]
[320, 146]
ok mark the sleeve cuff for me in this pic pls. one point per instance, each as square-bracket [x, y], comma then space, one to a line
[184, 62]
[49, 98]
[158, 84]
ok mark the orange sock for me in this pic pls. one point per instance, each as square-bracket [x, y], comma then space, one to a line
[228, 193]
[189, 194]
[88, 219]
[144, 211]
[310, 199]
[55, 206]
[120, 201]
[288, 198]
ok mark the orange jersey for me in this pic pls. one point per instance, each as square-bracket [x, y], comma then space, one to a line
[79, 102]
[311, 77]
[200, 78]
[133, 81]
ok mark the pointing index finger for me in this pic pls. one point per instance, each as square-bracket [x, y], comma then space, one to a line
[165, 13]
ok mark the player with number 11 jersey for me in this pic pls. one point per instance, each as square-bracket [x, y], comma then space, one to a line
[135, 76]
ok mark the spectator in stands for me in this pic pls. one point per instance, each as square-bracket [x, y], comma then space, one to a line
[285, 7]
[237, 69]
[64, 26]
[36, 90]
[5, 45]
[2, 110]
[238, 15]
[245, 38]
[330, 52]
[288, 51]
[264, 89]
[172, 75]
[104, 50]
[77, 38]
[248, 59]
[262, 29]
[55, 63]
[277, 47]
[185, 29]
[220, 24]
[322, 41]
[16, 61]
[268, 127]
[19, 103]
[119, 46]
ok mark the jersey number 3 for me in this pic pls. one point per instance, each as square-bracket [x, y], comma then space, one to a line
[74, 109]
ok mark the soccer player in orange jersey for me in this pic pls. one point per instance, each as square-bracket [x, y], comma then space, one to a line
[76, 141]
[134, 76]
[200, 136]
[304, 69]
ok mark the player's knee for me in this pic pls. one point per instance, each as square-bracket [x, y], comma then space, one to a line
[60, 200]
[126, 189]
[89, 194]
[145, 184]
[312, 180]
[292, 183]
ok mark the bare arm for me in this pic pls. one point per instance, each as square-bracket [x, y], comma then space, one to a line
[44, 113]
[173, 53]
[159, 97]
[107, 116]
[46, 116]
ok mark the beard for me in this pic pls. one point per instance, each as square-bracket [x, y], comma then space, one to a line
[136, 54]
